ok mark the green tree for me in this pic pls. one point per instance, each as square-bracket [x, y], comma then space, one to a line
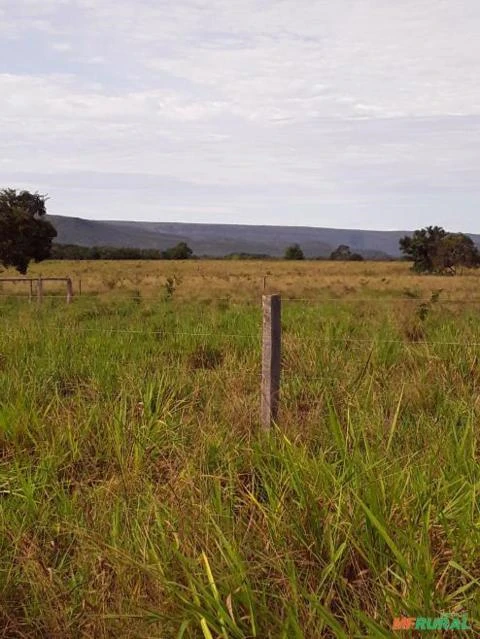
[433, 250]
[180, 251]
[294, 252]
[343, 253]
[455, 250]
[422, 246]
[24, 233]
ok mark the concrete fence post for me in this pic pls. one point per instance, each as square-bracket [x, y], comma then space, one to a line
[271, 359]
[69, 291]
[39, 290]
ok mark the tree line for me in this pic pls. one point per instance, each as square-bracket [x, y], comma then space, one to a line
[180, 251]
[25, 236]
[342, 253]
[431, 249]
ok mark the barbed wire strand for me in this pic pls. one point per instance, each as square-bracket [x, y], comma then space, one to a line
[107, 296]
[324, 340]
[80, 329]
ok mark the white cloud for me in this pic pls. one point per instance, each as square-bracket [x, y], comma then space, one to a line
[344, 107]
[61, 46]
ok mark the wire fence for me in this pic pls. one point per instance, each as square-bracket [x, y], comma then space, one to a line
[110, 295]
[295, 369]
[215, 334]
[8, 328]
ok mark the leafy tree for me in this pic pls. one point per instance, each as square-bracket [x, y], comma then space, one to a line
[179, 252]
[433, 250]
[24, 234]
[294, 252]
[343, 253]
[456, 249]
[422, 246]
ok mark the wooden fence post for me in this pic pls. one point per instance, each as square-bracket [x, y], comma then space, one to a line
[39, 290]
[264, 283]
[69, 291]
[271, 359]
[31, 291]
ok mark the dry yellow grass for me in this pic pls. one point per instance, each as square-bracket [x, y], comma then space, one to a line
[244, 279]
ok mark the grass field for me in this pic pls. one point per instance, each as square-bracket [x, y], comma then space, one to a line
[138, 497]
[243, 280]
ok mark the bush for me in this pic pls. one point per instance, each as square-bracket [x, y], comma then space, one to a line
[433, 250]
[294, 252]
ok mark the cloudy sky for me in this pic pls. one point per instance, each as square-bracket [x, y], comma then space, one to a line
[344, 113]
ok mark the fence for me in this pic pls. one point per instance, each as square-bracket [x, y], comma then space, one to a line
[39, 285]
[271, 353]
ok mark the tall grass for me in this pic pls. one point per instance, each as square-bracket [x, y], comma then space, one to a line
[138, 497]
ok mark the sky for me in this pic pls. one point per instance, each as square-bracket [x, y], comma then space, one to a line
[336, 113]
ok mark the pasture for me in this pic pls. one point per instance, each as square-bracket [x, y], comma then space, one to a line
[138, 497]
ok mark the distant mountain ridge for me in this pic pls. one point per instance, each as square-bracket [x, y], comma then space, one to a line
[217, 240]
